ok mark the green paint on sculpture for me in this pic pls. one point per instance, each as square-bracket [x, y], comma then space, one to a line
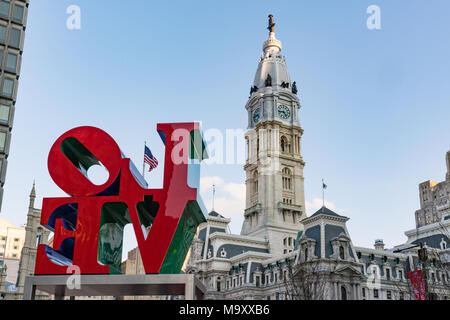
[187, 227]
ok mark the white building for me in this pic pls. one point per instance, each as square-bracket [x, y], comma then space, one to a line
[277, 239]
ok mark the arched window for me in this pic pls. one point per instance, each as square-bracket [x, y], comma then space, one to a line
[306, 254]
[343, 293]
[287, 179]
[255, 181]
[341, 252]
[257, 147]
[38, 236]
[288, 244]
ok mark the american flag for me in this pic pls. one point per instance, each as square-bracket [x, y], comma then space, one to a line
[150, 159]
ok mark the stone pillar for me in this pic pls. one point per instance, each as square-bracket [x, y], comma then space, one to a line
[336, 295]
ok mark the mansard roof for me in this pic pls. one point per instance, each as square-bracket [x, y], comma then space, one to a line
[215, 214]
[326, 211]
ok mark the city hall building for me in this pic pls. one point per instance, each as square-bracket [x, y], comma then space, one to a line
[283, 254]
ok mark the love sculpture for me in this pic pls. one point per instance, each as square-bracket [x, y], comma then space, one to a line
[88, 225]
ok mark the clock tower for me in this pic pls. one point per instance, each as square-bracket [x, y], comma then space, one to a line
[275, 201]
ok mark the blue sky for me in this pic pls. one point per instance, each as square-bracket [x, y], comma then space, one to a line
[374, 102]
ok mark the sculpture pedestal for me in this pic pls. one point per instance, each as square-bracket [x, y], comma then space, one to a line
[115, 285]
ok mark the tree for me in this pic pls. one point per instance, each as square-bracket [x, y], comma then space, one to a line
[307, 281]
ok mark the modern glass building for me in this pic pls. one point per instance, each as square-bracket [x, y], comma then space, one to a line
[13, 19]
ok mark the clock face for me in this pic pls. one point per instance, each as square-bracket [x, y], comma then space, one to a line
[283, 111]
[256, 115]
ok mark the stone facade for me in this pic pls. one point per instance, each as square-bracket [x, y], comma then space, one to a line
[275, 200]
[281, 253]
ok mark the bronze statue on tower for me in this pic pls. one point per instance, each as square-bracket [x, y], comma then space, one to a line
[271, 26]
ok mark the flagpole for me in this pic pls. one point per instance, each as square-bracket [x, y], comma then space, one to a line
[214, 193]
[323, 194]
[143, 161]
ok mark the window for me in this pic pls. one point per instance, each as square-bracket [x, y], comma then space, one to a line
[39, 238]
[341, 252]
[389, 295]
[375, 293]
[4, 113]
[18, 13]
[364, 293]
[402, 296]
[257, 147]
[11, 62]
[287, 180]
[255, 182]
[343, 293]
[2, 141]
[2, 33]
[8, 87]
[388, 274]
[218, 286]
[4, 9]
[306, 254]
[257, 281]
[400, 274]
[14, 37]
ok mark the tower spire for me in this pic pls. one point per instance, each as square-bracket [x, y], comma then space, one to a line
[33, 194]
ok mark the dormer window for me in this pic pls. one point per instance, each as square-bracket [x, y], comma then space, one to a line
[341, 248]
[307, 249]
[341, 253]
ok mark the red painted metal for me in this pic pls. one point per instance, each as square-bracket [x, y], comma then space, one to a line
[172, 199]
